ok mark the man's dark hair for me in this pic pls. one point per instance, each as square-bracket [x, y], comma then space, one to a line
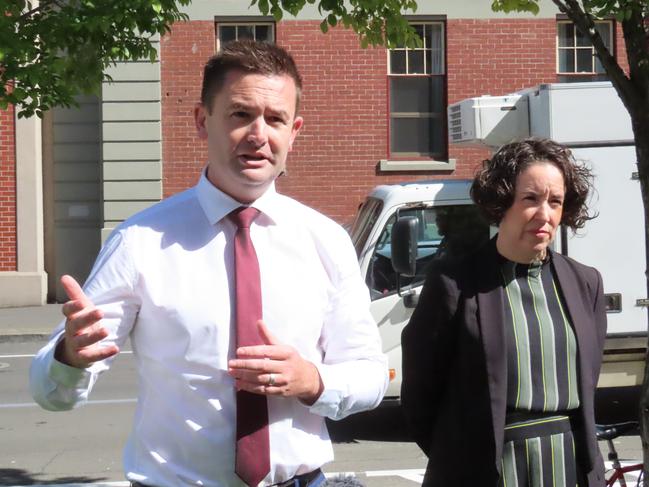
[252, 57]
[494, 185]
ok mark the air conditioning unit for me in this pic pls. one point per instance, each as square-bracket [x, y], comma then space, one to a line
[489, 120]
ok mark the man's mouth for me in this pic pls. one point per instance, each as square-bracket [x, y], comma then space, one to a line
[252, 158]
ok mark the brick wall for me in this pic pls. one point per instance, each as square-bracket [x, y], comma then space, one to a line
[183, 53]
[7, 191]
[496, 57]
[620, 50]
[345, 102]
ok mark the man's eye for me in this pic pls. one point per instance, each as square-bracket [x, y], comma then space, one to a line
[240, 114]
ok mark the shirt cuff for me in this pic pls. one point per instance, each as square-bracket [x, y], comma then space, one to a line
[67, 376]
[331, 402]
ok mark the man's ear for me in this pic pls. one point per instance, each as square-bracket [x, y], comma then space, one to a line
[297, 125]
[200, 116]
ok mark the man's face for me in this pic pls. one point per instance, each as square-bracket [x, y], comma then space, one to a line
[249, 132]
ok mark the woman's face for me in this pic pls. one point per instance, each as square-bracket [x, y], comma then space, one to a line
[530, 223]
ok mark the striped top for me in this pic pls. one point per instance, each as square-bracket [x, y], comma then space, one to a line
[540, 342]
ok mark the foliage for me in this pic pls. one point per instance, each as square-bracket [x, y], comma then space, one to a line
[53, 50]
[377, 22]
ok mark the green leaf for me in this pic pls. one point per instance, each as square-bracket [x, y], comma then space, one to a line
[277, 12]
[324, 26]
[263, 6]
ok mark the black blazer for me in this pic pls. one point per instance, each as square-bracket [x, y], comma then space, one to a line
[454, 367]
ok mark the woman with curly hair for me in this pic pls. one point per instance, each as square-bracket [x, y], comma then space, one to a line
[502, 354]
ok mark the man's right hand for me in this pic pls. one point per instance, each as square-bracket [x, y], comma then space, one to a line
[79, 347]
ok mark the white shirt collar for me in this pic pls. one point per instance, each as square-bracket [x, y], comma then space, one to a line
[217, 205]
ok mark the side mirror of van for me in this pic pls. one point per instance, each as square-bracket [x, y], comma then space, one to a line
[404, 245]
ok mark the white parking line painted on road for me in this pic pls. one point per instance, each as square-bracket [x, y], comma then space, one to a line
[89, 403]
[32, 355]
[415, 475]
[99, 484]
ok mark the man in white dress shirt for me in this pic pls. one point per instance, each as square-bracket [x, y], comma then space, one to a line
[165, 278]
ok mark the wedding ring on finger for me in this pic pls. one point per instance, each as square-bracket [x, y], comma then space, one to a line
[271, 379]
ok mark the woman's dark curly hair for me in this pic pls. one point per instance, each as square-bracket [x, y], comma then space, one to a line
[494, 185]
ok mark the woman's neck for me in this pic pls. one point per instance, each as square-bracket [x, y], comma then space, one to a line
[515, 254]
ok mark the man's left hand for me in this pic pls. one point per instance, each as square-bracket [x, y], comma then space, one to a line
[275, 369]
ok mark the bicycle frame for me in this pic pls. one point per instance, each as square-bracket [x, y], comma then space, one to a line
[618, 474]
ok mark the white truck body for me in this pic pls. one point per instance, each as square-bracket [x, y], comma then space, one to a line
[589, 118]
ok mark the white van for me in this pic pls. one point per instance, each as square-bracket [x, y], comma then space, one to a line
[589, 118]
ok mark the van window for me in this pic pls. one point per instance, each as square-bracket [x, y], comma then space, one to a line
[364, 222]
[444, 232]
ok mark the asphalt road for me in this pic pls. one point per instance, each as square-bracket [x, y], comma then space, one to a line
[84, 446]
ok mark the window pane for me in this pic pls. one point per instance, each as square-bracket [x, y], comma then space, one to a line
[604, 29]
[419, 29]
[416, 62]
[566, 33]
[412, 135]
[582, 40]
[436, 66]
[584, 60]
[566, 60]
[437, 101]
[227, 33]
[409, 94]
[262, 33]
[437, 137]
[444, 232]
[434, 36]
[598, 66]
[398, 62]
[245, 32]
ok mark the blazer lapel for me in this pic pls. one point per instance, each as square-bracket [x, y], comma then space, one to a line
[490, 320]
[574, 301]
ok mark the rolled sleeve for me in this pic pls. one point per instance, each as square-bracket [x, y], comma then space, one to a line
[56, 386]
[354, 370]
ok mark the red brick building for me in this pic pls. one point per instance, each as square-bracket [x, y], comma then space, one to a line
[372, 116]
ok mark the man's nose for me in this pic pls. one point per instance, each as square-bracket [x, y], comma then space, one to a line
[257, 132]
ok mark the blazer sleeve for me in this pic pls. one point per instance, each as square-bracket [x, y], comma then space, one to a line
[599, 312]
[428, 344]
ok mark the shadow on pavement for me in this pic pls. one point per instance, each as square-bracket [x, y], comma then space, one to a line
[385, 423]
[17, 476]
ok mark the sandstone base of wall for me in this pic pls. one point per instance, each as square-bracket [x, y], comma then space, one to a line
[22, 289]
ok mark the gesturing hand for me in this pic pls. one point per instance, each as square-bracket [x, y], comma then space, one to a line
[274, 369]
[79, 347]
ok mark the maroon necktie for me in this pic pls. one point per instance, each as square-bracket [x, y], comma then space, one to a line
[253, 451]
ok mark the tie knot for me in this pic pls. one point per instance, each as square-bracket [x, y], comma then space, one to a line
[243, 216]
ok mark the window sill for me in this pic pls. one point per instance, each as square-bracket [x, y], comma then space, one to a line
[403, 165]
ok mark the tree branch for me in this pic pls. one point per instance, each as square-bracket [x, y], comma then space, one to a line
[635, 38]
[42, 7]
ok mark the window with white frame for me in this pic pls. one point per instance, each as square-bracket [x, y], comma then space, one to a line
[417, 84]
[230, 31]
[576, 56]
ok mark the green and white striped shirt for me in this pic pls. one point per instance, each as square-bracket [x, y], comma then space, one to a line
[540, 342]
